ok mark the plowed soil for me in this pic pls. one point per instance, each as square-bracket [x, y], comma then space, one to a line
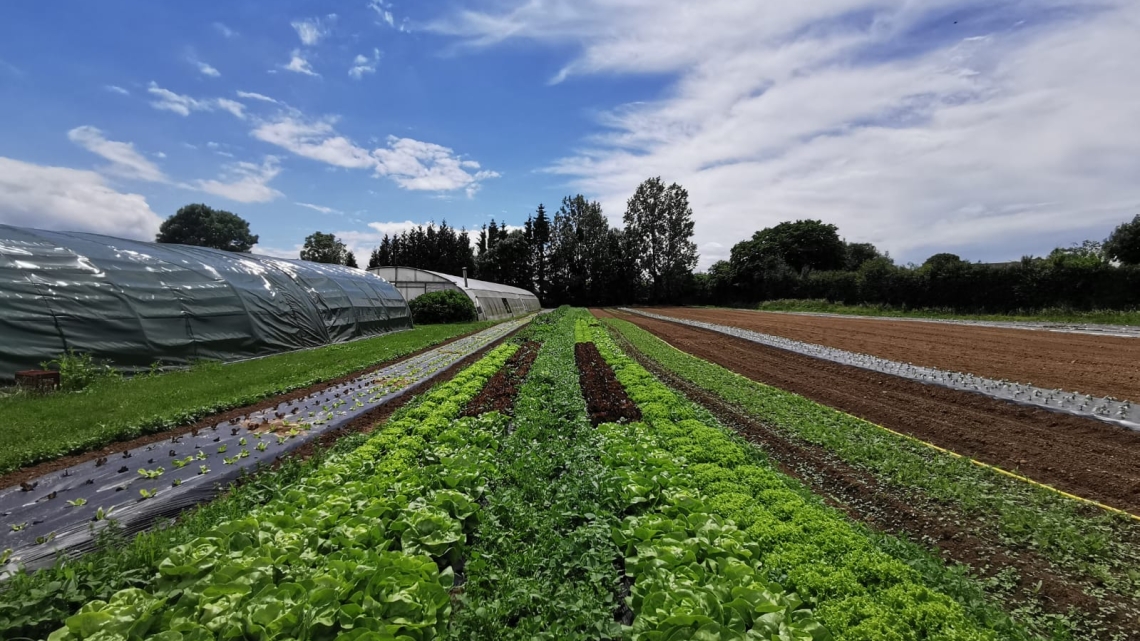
[1098, 365]
[499, 393]
[959, 537]
[1081, 456]
[606, 400]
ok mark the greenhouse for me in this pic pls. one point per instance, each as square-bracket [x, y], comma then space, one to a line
[133, 303]
[493, 301]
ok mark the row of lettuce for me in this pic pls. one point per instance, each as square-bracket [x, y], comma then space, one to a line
[537, 526]
[1091, 550]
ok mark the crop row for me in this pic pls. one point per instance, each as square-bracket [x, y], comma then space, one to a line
[353, 551]
[1077, 540]
[856, 590]
[44, 428]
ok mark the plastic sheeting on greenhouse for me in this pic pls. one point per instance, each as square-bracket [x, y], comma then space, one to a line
[135, 303]
[493, 301]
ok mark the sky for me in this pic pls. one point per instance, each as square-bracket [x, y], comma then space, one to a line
[991, 129]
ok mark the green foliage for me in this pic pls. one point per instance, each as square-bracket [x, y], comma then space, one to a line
[78, 370]
[1124, 243]
[43, 428]
[802, 245]
[858, 591]
[364, 544]
[1047, 315]
[443, 249]
[204, 226]
[445, 306]
[320, 247]
[659, 231]
[1059, 529]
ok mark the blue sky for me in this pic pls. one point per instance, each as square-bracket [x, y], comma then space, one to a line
[989, 129]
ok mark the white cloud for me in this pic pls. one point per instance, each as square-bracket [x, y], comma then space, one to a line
[159, 154]
[207, 70]
[363, 64]
[411, 164]
[316, 140]
[323, 210]
[312, 30]
[182, 105]
[117, 89]
[232, 106]
[904, 131]
[245, 182]
[59, 198]
[425, 166]
[125, 161]
[249, 95]
[298, 64]
[224, 30]
[384, 12]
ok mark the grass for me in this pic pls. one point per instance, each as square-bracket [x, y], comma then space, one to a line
[1104, 317]
[36, 429]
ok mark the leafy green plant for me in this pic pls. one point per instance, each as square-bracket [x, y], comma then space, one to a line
[446, 306]
[78, 370]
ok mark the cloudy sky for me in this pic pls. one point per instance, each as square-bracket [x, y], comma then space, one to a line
[991, 129]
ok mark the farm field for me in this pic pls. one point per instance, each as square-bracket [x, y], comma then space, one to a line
[552, 489]
[1050, 317]
[1067, 567]
[585, 480]
[1097, 365]
[47, 429]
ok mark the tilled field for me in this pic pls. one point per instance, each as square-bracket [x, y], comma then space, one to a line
[1081, 456]
[1097, 365]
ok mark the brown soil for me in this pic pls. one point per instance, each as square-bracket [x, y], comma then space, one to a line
[16, 477]
[1098, 365]
[606, 400]
[1080, 456]
[960, 538]
[499, 393]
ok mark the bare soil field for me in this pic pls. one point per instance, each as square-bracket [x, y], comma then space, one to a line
[1097, 365]
[1081, 456]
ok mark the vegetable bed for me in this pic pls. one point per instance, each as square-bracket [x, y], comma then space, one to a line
[537, 525]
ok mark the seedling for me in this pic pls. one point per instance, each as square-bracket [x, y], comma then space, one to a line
[202, 469]
[147, 494]
[79, 502]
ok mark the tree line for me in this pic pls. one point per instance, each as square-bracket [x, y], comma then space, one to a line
[807, 259]
[574, 256]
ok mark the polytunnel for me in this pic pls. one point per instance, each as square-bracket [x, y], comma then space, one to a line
[135, 303]
[493, 301]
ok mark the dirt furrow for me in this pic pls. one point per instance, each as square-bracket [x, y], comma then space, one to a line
[1081, 456]
[961, 538]
[1097, 365]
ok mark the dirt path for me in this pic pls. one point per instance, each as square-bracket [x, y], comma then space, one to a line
[1097, 365]
[1081, 456]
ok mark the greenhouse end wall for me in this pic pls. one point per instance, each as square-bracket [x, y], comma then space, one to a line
[133, 303]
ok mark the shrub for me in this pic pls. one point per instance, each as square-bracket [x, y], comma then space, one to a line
[79, 370]
[448, 306]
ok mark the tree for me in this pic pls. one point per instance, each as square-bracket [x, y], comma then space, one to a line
[350, 261]
[659, 227]
[1124, 243]
[325, 248]
[857, 254]
[804, 245]
[204, 226]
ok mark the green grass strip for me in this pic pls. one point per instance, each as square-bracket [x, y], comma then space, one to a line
[37, 429]
[338, 551]
[1106, 317]
[1087, 541]
[858, 591]
[541, 566]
